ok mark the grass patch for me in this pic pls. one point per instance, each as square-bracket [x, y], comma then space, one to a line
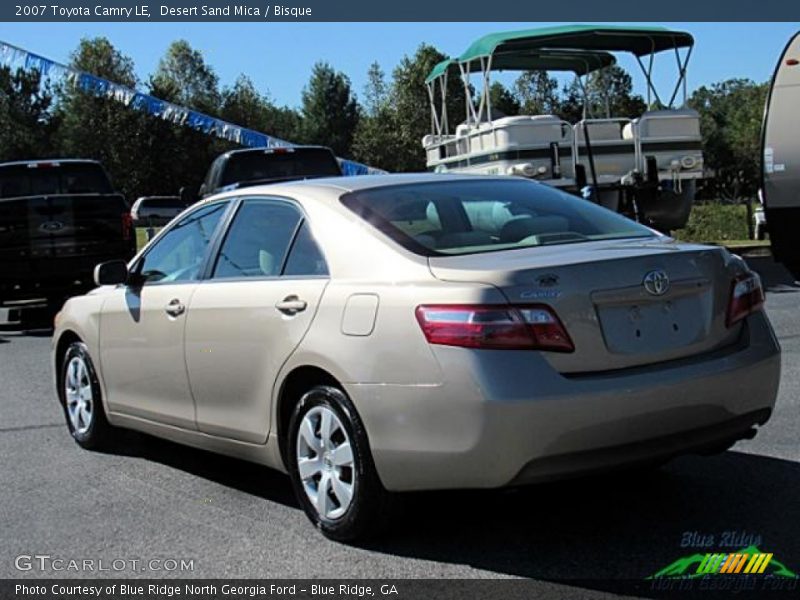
[715, 222]
[141, 236]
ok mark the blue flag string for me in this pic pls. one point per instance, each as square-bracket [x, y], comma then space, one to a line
[15, 57]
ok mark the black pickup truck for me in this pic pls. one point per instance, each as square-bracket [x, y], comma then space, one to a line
[58, 219]
[241, 168]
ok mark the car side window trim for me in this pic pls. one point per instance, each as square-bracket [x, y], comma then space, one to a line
[136, 266]
[221, 235]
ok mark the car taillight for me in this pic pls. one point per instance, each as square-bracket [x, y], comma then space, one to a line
[747, 296]
[523, 327]
[127, 226]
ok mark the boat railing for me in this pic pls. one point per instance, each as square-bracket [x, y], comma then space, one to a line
[488, 136]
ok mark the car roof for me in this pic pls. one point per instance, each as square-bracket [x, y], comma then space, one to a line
[365, 182]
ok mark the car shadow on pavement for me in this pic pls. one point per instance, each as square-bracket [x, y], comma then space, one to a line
[774, 276]
[609, 533]
[241, 475]
[605, 533]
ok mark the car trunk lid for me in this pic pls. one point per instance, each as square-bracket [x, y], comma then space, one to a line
[597, 289]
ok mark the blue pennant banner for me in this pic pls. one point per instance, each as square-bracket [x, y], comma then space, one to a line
[17, 58]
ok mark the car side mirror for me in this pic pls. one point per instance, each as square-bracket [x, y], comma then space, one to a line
[113, 272]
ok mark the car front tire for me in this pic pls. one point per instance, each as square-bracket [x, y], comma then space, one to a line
[331, 467]
[82, 400]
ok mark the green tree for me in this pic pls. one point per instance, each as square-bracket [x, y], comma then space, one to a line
[375, 136]
[376, 91]
[184, 78]
[503, 99]
[610, 94]
[537, 93]
[572, 101]
[411, 104]
[26, 120]
[730, 122]
[100, 128]
[330, 112]
[244, 105]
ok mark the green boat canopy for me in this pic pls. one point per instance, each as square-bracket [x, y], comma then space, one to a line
[639, 41]
[579, 62]
[439, 69]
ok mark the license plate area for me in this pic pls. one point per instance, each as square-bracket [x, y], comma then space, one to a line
[655, 326]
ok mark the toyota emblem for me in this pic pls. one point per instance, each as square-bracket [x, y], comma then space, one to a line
[656, 282]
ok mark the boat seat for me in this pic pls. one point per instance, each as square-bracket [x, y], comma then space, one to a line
[525, 119]
[599, 132]
[683, 122]
[526, 130]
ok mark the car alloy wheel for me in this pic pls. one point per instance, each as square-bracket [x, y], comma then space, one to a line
[81, 398]
[325, 462]
[78, 395]
[330, 464]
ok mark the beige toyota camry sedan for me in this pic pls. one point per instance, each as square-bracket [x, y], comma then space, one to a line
[374, 335]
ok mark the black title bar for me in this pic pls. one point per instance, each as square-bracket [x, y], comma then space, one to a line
[408, 10]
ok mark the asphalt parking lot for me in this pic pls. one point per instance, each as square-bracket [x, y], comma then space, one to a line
[156, 500]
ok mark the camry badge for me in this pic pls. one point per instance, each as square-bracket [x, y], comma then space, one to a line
[656, 282]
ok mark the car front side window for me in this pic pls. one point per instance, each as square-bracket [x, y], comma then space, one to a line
[178, 255]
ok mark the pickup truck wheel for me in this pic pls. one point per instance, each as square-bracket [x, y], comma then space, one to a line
[82, 399]
[331, 467]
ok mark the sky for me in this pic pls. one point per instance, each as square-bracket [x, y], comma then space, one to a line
[278, 57]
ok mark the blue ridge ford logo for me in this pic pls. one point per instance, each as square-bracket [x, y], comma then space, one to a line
[656, 282]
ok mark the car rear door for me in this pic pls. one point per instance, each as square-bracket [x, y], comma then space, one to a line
[250, 313]
[142, 324]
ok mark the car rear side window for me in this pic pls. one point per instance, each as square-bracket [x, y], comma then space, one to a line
[258, 240]
[305, 257]
[466, 217]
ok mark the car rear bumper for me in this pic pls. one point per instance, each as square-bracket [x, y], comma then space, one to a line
[502, 418]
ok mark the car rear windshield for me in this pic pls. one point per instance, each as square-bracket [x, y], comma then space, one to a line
[259, 165]
[466, 217]
[53, 179]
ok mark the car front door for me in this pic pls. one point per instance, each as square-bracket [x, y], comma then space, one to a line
[142, 324]
[248, 316]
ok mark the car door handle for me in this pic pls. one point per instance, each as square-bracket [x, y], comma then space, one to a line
[175, 308]
[291, 305]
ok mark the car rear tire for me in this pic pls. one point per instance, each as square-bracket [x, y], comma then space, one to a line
[331, 467]
[82, 400]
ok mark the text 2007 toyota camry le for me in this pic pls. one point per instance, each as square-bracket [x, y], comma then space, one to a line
[380, 334]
